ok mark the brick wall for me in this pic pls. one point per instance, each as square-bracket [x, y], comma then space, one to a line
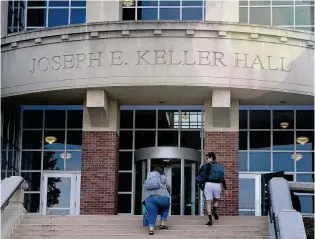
[99, 178]
[225, 146]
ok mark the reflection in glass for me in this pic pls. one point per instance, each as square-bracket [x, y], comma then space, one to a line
[246, 194]
[260, 15]
[190, 139]
[282, 16]
[33, 180]
[145, 119]
[32, 119]
[125, 139]
[124, 203]
[147, 13]
[307, 203]
[168, 138]
[283, 140]
[31, 202]
[125, 182]
[78, 16]
[126, 119]
[192, 13]
[306, 163]
[304, 177]
[190, 119]
[58, 192]
[36, 17]
[58, 17]
[74, 162]
[243, 119]
[259, 161]
[168, 119]
[283, 116]
[304, 15]
[60, 139]
[74, 139]
[306, 146]
[305, 119]
[283, 162]
[243, 140]
[144, 139]
[31, 160]
[53, 160]
[32, 139]
[169, 13]
[260, 140]
[242, 161]
[75, 119]
[259, 119]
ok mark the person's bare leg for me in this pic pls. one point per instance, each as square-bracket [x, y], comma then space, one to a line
[215, 208]
[209, 204]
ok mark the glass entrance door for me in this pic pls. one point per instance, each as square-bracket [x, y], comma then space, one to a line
[181, 176]
[249, 195]
[61, 193]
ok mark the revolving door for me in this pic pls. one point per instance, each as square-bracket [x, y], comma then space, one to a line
[180, 166]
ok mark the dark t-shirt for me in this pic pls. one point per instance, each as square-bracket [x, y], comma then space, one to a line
[208, 170]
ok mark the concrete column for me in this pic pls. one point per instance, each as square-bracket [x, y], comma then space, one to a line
[222, 10]
[4, 18]
[221, 137]
[100, 144]
[100, 11]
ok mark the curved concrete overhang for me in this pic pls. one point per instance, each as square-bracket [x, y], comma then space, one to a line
[167, 153]
[118, 55]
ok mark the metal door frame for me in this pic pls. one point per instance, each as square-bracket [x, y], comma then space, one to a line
[257, 178]
[74, 191]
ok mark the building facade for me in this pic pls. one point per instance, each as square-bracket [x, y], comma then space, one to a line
[97, 93]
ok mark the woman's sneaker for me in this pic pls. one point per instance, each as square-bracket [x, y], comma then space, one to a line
[215, 214]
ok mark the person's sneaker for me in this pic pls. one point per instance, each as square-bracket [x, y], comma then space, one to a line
[210, 221]
[215, 214]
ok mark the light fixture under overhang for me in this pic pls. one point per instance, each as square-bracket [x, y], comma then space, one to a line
[128, 3]
[63, 155]
[185, 116]
[166, 160]
[297, 157]
[284, 125]
[302, 140]
[50, 139]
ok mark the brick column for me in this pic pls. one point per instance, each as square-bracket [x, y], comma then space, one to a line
[225, 146]
[99, 178]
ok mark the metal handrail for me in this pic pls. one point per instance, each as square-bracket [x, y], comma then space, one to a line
[6, 200]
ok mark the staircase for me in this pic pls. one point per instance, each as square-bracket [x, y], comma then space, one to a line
[114, 227]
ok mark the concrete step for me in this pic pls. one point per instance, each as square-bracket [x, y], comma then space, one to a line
[205, 232]
[156, 236]
[263, 227]
[171, 221]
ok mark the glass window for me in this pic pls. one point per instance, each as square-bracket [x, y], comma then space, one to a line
[301, 122]
[147, 3]
[192, 13]
[190, 139]
[169, 3]
[54, 139]
[304, 140]
[58, 3]
[41, 3]
[242, 161]
[243, 140]
[169, 14]
[126, 119]
[283, 2]
[282, 16]
[147, 14]
[31, 160]
[75, 3]
[125, 182]
[260, 15]
[307, 203]
[73, 161]
[243, 2]
[190, 119]
[145, 119]
[32, 139]
[32, 119]
[33, 180]
[283, 119]
[243, 119]
[168, 138]
[168, 119]
[31, 202]
[283, 162]
[125, 160]
[78, 16]
[260, 140]
[259, 161]
[36, 17]
[125, 141]
[259, 119]
[74, 140]
[55, 119]
[259, 3]
[283, 140]
[75, 119]
[144, 139]
[129, 14]
[304, 15]
[58, 17]
[54, 160]
[124, 203]
[305, 163]
[304, 177]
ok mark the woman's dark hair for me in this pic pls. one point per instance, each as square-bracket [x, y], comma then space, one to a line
[158, 169]
[211, 155]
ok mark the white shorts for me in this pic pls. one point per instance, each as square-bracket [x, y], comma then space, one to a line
[212, 191]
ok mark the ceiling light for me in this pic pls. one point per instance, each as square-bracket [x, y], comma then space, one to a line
[185, 116]
[284, 125]
[166, 160]
[63, 155]
[50, 139]
[296, 157]
[128, 3]
[302, 140]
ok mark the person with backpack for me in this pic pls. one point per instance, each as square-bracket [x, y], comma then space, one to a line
[156, 198]
[210, 177]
